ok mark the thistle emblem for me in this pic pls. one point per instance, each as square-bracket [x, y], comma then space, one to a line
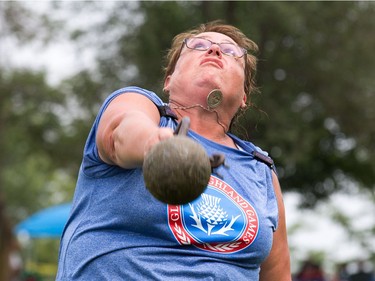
[212, 213]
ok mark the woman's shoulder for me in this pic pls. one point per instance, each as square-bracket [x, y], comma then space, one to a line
[134, 89]
[250, 146]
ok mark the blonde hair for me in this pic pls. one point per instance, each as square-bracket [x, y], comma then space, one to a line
[228, 30]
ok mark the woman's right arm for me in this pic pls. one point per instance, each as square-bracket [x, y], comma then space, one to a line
[127, 129]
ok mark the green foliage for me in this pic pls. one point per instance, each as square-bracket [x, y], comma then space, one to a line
[26, 25]
[315, 113]
[315, 66]
[30, 140]
[315, 85]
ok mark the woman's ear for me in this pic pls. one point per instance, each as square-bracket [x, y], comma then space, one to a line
[166, 84]
[243, 103]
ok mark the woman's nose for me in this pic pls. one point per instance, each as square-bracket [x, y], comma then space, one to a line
[214, 50]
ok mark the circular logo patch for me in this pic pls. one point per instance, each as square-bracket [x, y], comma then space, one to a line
[220, 220]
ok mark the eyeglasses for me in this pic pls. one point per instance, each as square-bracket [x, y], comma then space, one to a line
[203, 44]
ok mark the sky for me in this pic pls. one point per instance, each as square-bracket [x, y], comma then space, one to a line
[310, 230]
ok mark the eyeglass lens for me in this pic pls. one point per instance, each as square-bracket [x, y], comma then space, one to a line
[202, 44]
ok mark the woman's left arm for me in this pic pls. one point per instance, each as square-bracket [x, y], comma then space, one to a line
[277, 264]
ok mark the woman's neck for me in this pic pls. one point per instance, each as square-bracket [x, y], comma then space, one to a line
[205, 122]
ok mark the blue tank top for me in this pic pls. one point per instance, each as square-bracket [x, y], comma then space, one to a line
[118, 231]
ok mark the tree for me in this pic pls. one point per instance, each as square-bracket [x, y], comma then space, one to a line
[17, 164]
[315, 66]
[314, 114]
[319, 99]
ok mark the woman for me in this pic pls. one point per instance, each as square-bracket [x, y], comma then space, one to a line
[234, 231]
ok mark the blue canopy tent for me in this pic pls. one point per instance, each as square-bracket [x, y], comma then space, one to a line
[47, 223]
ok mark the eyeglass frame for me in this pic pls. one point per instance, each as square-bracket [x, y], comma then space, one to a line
[185, 41]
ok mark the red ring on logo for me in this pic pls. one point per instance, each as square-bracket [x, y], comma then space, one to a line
[246, 239]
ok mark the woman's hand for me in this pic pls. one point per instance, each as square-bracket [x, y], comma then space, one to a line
[157, 136]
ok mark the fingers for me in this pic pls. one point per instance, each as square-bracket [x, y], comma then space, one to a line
[159, 135]
[165, 133]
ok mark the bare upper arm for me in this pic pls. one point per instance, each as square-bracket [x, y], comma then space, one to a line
[120, 108]
[277, 264]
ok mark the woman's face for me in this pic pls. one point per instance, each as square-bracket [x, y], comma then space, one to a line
[199, 72]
